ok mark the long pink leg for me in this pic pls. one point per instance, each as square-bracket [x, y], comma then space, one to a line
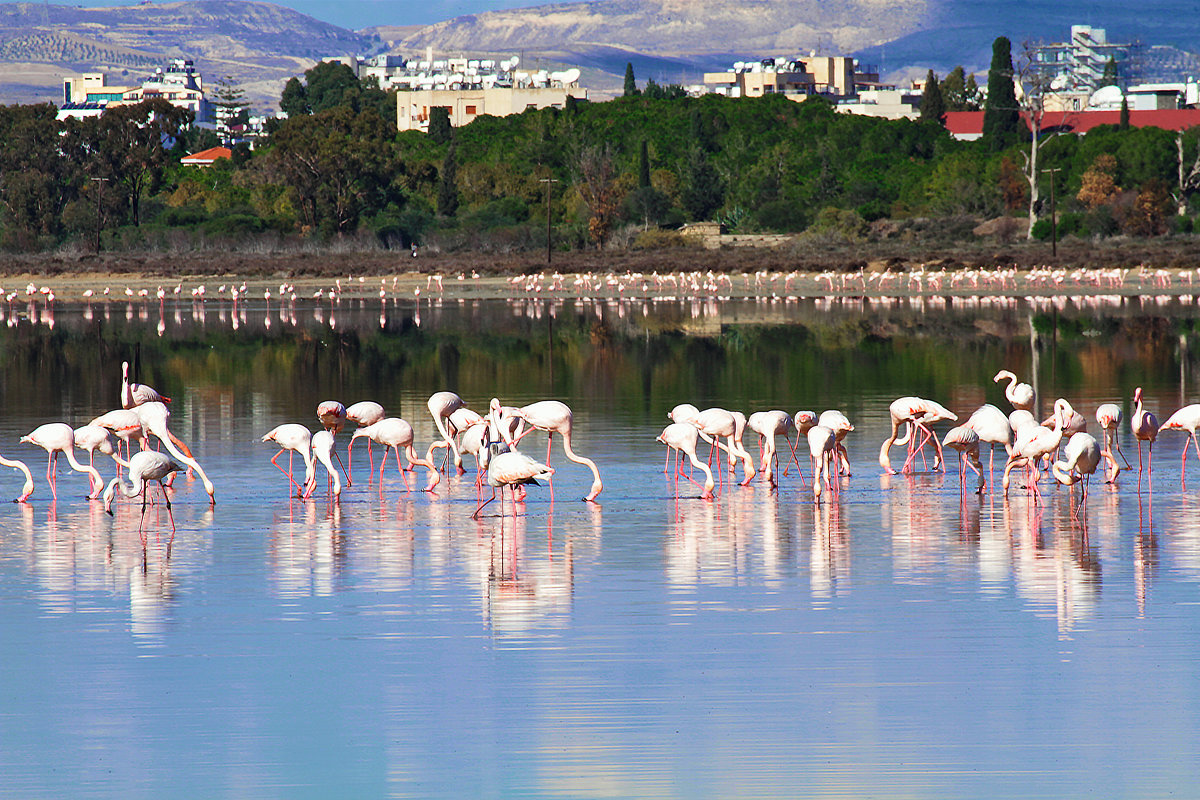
[287, 471]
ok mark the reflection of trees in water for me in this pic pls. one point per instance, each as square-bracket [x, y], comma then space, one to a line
[570, 349]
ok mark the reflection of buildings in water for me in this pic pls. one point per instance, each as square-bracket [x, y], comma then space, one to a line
[307, 548]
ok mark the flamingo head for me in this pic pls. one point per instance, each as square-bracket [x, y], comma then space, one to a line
[1137, 395]
[1002, 375]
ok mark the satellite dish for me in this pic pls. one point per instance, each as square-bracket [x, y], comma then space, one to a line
[515, 60]
[570, 76]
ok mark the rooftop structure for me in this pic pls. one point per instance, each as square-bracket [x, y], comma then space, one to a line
[206, 158]
[90, 93]
[796, 78]
[1080, 63]
[968, 125]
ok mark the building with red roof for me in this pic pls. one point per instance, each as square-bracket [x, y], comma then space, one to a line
[206, 158]
[968, 125]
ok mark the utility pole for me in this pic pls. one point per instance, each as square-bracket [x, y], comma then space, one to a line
[99, 196]
[1053, 216]
[548, 182]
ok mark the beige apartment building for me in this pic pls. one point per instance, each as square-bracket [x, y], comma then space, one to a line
[798, 77]
[464, 105]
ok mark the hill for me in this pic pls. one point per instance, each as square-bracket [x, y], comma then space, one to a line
[260, 45]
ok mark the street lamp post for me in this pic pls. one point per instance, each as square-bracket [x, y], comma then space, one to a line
[99, 195]
[1053, 215]
[548, 181]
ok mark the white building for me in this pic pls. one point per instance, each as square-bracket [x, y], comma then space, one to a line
[88, 94]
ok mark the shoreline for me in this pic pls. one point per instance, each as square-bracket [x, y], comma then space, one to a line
[677, 273]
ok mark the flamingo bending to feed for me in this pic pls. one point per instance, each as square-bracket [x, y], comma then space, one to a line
[145, 466]
[1019, 394]
[27, 489]
[1145, 429]
[682, 437]
[552, 417]
[365, 412]
[397, 434]
[332, 415]
[837, 422]
[966, 440]
[292, 438]
[1185, 419]
[822, 449]
[154, 419]
[717, 423]
[1108, 416]
[134, 394]
[322, 447]
[512, 469]
[1081, 457]
[92, 438]
[126, 425]
[59, 437]
[768, 425]
[441, 405]
[916, 413]
[993, 429]
[1034, 442]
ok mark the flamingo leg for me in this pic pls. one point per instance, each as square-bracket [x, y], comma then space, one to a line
[484, 503]
[287, 471]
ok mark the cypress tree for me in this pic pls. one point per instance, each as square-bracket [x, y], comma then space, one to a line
[1001, 115]
[933, 106]
[439, 124]
[1123, 123]
[447, 197]
[631, 89]
[644, 165]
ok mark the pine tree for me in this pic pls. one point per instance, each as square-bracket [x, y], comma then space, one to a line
[1001, 117]
[1109, 78]
[644, 165]
[933, 107]
[631, 89]
[439, 124]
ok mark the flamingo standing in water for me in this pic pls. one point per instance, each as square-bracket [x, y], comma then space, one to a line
[822, 449]
[145, 466]
[293, 438]
[1108, 416]
[126, 425]
[1019, 394]
[397, 434]
[363, 413]
[993, 428]
[965, 440]
[154, 419]
[768, 425]
[59, 437]
[1185, 419]
[1081, 457]
[552, 417]
[916, 414]
[322, 448]
[441, 405]
[1033, 443]
[134, 394]
[92, 438]
[717, 423]
[332, 415]
[512, 469]
[27, 489]
[1145, 429]
[682, 437]
[837, 422]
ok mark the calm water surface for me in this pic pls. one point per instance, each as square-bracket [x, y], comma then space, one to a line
[900, 642]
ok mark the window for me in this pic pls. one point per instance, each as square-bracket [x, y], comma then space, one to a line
[470, 110]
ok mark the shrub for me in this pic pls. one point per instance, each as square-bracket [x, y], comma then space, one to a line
[656, 239]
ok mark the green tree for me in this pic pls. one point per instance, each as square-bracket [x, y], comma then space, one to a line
[703, 192]
[232, 110]
[644, 165]
[1001, 117]
[1110, 76]
[596, 173]
[959, 91]
[933, 107]
[338, 166]
[447, 199]
[36, 182]
[631, 89]
[294, 100]
[1123, 120]
[439, 124]
[331, 84]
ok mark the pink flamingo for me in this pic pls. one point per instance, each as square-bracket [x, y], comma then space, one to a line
[553, 417]
[154, 419]
[718, 423]
[1185, 419]
[332, 415]
[322, 448]
[682, 437]
[965, 441]
[512, 469]
[145, 466]
[27, 489]
[441, 405]
[397, 433]
[768, 425]
[92, 438]
[1034, 442]
[1145, 429]
[59, 437]
[134, 394]
[1019, 394]
[126, 425]
[365, 412]
[294, 438]
[916, 414]
[1081, 457]
[993, 429]
[1108, 416]
[822, 444]
[837, 422]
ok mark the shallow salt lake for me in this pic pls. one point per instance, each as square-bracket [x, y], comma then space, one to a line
[902, 641]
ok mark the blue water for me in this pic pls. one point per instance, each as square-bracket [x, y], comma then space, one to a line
[902, 641]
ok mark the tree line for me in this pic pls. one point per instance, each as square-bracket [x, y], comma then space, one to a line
[612, 174]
